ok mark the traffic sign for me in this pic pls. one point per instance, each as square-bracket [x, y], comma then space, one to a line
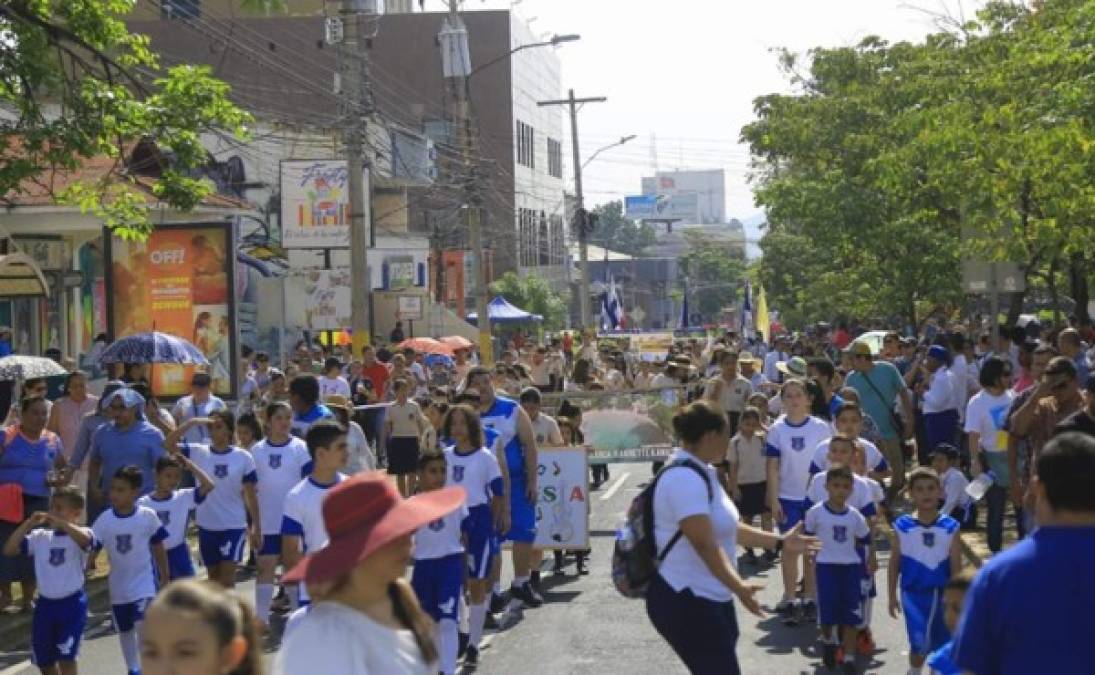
[977, 277]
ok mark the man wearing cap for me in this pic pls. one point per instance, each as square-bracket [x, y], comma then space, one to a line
[749, 366]
[129, 439]
[198, 404]
[880, 387]
[936, 390]
[1083, 420]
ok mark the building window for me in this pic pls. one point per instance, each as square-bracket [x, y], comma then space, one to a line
[555, 158]
[544, 241]
[526, 145]
[529, 237]
[181, 9]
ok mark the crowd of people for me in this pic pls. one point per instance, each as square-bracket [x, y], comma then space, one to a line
[809, 448]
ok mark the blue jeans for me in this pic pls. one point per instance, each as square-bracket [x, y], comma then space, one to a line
[996, 503]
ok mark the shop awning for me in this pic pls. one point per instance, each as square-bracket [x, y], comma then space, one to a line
[20, 277]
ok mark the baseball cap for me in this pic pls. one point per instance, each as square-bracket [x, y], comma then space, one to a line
[938, 352]
[947, 450]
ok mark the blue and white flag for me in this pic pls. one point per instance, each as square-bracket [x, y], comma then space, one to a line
[612, 313]
[747, 327]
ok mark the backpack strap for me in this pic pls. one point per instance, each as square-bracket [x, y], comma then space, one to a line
[710, 497]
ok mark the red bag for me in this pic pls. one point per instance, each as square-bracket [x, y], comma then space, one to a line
[11, 502]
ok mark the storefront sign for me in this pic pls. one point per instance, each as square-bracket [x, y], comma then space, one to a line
[315, 206]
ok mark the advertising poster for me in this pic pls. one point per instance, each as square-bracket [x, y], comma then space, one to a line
[178, 281]
[315, 207]
[562, 509]
[317, 300]
[623, 426]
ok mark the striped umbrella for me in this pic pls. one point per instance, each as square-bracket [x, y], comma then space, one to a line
[19, 367]
[152, 347]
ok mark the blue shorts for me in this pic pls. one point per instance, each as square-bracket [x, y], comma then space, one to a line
[924, 620]
[57, 628]
[128, 615]
[481, 541]
[179, 564]
[271, 544]
[438, 583]
[522, 514]
[217, 546]
[794, 511]
[839, 598]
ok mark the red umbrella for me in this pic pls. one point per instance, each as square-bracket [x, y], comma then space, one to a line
[425, 345]
[457, 342]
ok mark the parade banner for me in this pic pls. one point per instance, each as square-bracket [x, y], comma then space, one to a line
[652, 346]
[315, 206]
[618, 427]
[562, 508]
[178, 281]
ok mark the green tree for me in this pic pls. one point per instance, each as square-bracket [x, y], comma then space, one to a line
[77, 57]
[533, 294]
[713, 271]
[619, 233]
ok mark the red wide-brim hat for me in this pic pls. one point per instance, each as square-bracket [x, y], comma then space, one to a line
[363, 514]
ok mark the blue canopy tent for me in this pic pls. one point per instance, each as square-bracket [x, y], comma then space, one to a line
[502, 312]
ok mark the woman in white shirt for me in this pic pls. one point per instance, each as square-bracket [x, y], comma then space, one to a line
[690, 600]
[365, 618]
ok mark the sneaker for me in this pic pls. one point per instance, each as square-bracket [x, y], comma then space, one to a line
[490, 621]
[794, 617]
[864, 643]
[526, 594]
[828, 656]
[471, 658]
[784, 607]
[497, 603]
[809, 610]
[751, 556]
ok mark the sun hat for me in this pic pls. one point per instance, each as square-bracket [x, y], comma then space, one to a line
[339, 401]
[747, 357]
[795, 366]
[363, 514]
[859, 348]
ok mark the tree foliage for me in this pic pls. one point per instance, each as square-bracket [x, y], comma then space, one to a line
[891, 163]
[79, 85]
[713, 271]
[533, 294]
[619, 233]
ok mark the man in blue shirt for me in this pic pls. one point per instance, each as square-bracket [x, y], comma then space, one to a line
[1029, 609]
[129, 440]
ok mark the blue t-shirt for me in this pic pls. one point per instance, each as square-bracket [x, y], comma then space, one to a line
[140, 445]
[1029, 608]
[879, 405]
[27, 462]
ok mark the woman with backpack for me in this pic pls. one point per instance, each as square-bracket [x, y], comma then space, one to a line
[696, 533]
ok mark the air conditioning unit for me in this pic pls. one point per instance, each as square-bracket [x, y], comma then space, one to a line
[333, 31]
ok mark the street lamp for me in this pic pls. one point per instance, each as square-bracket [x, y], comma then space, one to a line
[620, 142]
[553, 42]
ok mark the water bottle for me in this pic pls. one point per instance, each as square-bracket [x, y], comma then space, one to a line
[625, 538]
[980, 485]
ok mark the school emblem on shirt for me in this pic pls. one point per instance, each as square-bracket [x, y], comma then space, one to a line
[57, 557]
[458, 474]
[165, 517]
[840, 533]
[220, 470]
[275, 461]
[437, 525]
[929, 539]
[798, 443]
[123, 543]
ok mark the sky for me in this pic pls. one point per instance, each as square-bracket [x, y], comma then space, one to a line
[682, 74]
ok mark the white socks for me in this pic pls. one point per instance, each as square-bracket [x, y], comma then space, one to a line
[464, 615]
[131, 648]
[448, 645]
[264, 595]
[477, 617]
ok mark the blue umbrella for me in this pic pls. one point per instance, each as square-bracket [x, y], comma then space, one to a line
[152, 347]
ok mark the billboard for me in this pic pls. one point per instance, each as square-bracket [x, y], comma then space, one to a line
[679, 206]
[179, 281]
[315, 204]
[318, 299]
[641, 207]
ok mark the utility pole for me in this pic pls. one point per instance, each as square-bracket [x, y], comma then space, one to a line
[580, 216]
[456, 67]
[357, 105]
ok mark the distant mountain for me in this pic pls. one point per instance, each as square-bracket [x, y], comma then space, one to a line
[753, 232]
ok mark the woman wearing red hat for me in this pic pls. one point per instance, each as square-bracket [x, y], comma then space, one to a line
[365, 618]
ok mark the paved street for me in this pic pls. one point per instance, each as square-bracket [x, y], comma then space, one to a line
[585, 626]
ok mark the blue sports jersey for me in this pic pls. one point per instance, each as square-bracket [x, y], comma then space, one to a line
[502, 419]
[303, 422]
[925, 551]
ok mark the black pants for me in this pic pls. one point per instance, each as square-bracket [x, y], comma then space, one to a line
[703, 633]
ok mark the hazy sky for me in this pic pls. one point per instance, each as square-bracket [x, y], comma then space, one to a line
[687, 72]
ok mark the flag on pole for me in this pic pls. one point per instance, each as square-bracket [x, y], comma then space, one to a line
[762, 315]
[747, 313]
[611, 310]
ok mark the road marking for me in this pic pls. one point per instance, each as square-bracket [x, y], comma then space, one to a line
[17, 668]
[607, 495]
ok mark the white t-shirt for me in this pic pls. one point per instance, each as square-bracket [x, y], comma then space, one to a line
[862, 498]
[128, 542]
[279, 469]
[986, 415]
[871, 454]
[173, 512]
[940, 394]
[441, 537]
[681, 493]
[474, 472]
[361, 456]
[546, 430]
[186, 409]
[333, 386]
[333, 638]
[794, 445]
[838, 531]
[954, 490]
[58, 561]
[223, 508]
[303, 516]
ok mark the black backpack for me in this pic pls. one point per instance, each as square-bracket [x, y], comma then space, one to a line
[635, 557]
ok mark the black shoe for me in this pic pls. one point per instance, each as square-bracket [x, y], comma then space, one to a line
[462, 644]
[771, 557]
[471, 658]
[534, 580]
[525, 594]
[497, 603]
[560, 563]
[809, 611]
[828, 656]
[794, 616]
[490, 621]
[750, 556]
